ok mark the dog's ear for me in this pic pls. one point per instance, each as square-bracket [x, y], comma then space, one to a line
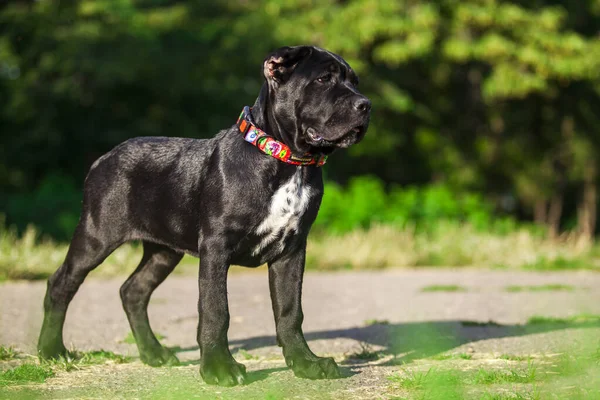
[280, 64]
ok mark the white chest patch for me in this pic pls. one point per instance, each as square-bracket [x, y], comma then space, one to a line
[288, 204]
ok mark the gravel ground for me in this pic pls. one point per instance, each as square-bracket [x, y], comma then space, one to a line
[345, 312]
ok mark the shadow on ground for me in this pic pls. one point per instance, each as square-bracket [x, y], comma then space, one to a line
[409, 341]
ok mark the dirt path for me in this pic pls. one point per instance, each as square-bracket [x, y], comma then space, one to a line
[347, 315]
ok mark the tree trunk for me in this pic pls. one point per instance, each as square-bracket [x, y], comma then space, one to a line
[539, 212]
[554, 214]
[586, 212]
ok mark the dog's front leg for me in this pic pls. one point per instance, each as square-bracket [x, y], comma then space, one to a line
[217, 366]
[285, 282]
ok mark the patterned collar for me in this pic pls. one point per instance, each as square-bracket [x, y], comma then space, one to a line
[270, 146]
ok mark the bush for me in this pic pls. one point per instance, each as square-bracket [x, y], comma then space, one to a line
[357, 206]
[53, 208]
[365, 201]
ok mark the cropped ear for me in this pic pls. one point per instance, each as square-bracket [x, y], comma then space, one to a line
[280, 64]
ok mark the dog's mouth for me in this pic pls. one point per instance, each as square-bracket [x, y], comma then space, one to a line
[351, 137]
[314, 136]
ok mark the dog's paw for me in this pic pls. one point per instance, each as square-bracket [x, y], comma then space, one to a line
[229, 373]
[48, 352]
[314, 368]
[160, 357]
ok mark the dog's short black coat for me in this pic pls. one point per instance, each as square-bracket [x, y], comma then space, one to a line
[224, 201]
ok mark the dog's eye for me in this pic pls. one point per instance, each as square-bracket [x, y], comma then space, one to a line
[324, 78]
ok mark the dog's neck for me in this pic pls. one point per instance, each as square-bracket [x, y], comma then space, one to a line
[270, 145]
[259, 113]
[264, 119]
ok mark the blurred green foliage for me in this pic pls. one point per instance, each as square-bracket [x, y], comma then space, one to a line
[54, 207]
[493, 98]
[366, 201]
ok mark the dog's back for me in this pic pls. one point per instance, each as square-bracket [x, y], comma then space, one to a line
[137, 179]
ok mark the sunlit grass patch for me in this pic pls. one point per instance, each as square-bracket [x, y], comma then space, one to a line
[540, 288]
[421, 379]
[452, 356]
[576, 374]
[430, 384]
[100, 357]
[560, 263]
[581, 319]
[62, 363]
[28, 256]
[8, 353]
[245, 355]
[441, 383]
[25, 373]
[448, 245]
[443, 288]
[76, 360]
[512, 375]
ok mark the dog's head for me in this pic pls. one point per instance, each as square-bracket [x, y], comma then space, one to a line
[313, 99]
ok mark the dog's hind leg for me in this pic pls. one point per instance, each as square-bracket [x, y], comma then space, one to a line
[86, 252]
[157, 263]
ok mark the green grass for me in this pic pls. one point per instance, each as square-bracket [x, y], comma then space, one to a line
[8, 353]
[420, 379]
[25, 373]
[130, 339]
[443, 288]
[437, 383]
[34, 373]
[559, 264]
[482, 376]
[512, 357]
[581, 319]
[555, 287]
[492, 377]
[452, 356]
[431, 384]
[76, 360]
[101, 357]
[573, 374]
[247, 356]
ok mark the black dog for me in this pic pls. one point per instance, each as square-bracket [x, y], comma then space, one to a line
[225, 201]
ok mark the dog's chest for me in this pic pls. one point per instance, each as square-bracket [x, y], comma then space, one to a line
[287, 207]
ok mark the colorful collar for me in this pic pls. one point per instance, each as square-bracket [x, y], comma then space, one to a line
[270, 146]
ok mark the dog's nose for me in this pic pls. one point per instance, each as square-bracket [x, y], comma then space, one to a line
[362, 104]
